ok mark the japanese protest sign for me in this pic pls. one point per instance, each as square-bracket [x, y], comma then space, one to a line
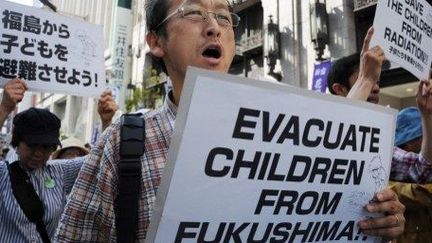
[51, 52]
[403, 28]
[319, 79]
[257, 161]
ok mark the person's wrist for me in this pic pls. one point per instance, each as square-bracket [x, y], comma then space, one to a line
[4, 111]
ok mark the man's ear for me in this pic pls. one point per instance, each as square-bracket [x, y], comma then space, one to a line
[155, 43]
[340, 89]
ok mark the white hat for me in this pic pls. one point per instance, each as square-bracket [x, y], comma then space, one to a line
[70, 142]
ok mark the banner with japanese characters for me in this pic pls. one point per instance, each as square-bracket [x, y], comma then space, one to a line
[120, 75]
[253, 161]
[403, 28]
[319, 78]
[51, 52]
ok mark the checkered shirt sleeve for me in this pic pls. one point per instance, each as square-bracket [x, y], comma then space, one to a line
[89, 214]
[410, 167]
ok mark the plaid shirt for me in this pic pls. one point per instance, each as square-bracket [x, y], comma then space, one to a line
[410, 167]
[89, 213]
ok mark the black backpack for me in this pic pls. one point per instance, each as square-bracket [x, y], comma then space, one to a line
[132, 137]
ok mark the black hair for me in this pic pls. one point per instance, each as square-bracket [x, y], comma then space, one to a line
[16, 138]
[156, 11]
[341, 71]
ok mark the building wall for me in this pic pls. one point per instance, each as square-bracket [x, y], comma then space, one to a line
[297, 50]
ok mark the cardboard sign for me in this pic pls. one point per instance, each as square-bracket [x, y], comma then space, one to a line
[403, 28]
[51, 52]
[252, 160]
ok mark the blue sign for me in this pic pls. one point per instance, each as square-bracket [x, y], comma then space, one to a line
[319, 79]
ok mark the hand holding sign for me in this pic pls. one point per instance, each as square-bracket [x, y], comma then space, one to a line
[390, 226]
[106, 108]
[13, 94]
[424, 97]
[424, 103]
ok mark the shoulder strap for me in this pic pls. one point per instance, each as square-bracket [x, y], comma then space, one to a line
[27, 198]
[132, 136]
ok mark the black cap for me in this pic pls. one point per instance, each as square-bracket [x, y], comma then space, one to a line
[37, 126]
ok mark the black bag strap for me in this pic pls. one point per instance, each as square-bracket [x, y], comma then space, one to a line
[132, 136]
[27, 198]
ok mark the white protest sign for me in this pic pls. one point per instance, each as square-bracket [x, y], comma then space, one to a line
[51, 52]
[268, 162]
[403, 28]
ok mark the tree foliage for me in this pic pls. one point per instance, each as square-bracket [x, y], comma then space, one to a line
[146, 94]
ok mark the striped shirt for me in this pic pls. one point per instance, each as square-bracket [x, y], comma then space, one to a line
[89, 213]
[14, 225]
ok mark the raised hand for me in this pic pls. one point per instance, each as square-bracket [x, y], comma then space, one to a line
[106, 108]
[13, 93]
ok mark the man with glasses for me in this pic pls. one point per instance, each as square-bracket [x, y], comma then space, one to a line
[181, 33]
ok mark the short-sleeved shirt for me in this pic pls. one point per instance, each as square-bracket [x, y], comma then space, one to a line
[14, 225]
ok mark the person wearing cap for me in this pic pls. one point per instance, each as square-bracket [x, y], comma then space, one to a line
[35, 136]
[417, 198]
[70, 148]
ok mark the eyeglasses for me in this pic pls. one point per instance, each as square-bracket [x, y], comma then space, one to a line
[223, 18]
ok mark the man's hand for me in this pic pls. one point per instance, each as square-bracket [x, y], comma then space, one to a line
[13, 93]
[392, 224]
[371, 60]
[424, 97]
[106, 108]
[424, 103]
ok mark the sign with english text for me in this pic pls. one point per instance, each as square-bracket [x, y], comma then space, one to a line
[405, 34]
[252, 160]
[52, 53]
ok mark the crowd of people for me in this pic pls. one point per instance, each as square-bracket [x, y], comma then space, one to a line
[73, 189]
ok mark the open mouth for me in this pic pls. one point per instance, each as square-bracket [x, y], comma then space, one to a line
[212, 52]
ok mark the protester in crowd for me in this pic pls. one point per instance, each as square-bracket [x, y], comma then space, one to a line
[344, 80]
[33, 189]
[181, 33]
[417, 198]
[70, 148]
